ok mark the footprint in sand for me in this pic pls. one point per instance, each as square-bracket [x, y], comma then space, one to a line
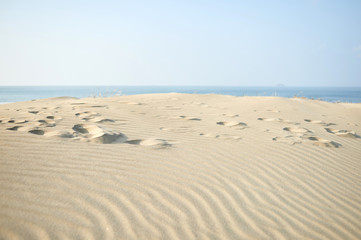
[290, 139]
[46, 123]
[233, 124]
[59, 133]
[150, 142]
[18, 121]
[171, 108]
[176, 130]
[34, 112]
[86, 128]
[268, 119]
[268, 110]
[76, 104]
[15, 128]
[132, 103]
[94, 133]
[343, 133]
[230, 115]
[37, 131]
[272, 110]
[210, 135]
[87, 114]
[319, 122]
[33, 130]
[100, 120]
[93, 117]
[297, 135]
[201, 104]
[317, 141]
[96, 106]
[297, 130]
[280, 120]
[190, 118]
[314, 121]
[8, 121]
[221, 136]
[55, 118]
[287, 121]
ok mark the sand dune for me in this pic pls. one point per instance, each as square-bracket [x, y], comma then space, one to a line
[180, 166]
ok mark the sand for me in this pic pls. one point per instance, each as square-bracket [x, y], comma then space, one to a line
[180, 166]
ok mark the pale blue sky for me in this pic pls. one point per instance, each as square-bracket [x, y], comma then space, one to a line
[239, 43]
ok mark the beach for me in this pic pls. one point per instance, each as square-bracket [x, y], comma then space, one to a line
[180, 166]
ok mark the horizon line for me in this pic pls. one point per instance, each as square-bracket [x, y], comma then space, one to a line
[279, 86]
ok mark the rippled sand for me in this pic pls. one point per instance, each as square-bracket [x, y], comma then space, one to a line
[180, 166]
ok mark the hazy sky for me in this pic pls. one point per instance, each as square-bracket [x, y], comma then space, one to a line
[224, 42]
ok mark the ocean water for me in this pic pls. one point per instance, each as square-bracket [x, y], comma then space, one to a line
[331, 94]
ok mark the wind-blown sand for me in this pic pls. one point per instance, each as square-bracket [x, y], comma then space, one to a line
[180, 166]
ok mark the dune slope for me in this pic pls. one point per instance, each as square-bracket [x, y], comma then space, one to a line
[180, 166]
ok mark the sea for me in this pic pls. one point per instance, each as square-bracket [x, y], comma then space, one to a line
[9, 94]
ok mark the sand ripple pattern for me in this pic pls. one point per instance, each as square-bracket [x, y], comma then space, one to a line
[195, 186]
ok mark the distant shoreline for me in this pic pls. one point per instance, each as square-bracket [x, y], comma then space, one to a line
[330, 94]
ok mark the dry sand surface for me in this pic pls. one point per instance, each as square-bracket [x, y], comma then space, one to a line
[180, 166]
